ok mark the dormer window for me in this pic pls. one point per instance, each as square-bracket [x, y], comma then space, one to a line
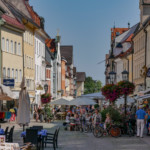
[117, 33]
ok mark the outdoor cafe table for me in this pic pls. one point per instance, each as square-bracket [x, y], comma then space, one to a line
[41, 133]
[2, 132]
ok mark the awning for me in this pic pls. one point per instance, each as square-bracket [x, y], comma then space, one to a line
[143, 97]
[6, 93]
[144, 92]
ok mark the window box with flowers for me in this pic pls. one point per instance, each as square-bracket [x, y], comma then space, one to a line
[46, 98]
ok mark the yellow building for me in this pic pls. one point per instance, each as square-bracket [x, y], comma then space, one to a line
[29, 58]
[11, 48]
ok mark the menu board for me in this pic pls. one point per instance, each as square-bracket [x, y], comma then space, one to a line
[9, 146]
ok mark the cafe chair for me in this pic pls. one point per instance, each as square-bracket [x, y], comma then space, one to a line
[9, 136]
[32, 136]
[50, 139]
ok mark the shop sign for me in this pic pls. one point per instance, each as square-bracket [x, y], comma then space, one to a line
[9, 82]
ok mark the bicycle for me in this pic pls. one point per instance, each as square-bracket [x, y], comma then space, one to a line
[112, 130]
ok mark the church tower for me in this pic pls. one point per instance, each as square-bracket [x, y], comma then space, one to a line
[144, 10]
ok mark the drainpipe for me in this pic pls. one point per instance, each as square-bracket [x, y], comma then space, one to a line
[1, 68]
[132, 58]
[145, 54]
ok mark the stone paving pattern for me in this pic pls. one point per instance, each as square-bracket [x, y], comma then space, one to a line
[72, 140]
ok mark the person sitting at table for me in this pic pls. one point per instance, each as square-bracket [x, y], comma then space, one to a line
[77, 121]
[67, 121]
[72, 122]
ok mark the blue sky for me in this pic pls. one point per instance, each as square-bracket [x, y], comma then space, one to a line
[86, 24]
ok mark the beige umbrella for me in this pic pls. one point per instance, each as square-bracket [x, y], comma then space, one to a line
[23, 117]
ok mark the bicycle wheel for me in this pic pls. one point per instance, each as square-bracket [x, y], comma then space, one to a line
[115, 131]
[98, 132]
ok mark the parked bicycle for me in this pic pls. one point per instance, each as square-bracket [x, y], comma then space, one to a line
[112, 130]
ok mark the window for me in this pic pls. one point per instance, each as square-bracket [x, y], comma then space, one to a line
[8, 72]
[13, 76]
[7, 45]
[12, 47]
[16, 75]
[20, 72]
[35, 45]
[15, 48]
[3, 44]
[27, 62]
[39, 48]
[19, 49]
[32, 63]
[4, 72]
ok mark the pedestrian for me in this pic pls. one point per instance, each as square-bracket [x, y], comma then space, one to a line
[140, 116]
[148, 121]
[96, 118]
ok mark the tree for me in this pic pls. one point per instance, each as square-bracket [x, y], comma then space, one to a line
[92, 86]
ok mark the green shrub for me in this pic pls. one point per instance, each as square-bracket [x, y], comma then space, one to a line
[114, 114]
[96, 106]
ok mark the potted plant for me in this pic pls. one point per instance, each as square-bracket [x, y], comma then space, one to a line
[48, 113]
[45, 98]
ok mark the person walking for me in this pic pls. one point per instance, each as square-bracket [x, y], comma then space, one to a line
[140, 116]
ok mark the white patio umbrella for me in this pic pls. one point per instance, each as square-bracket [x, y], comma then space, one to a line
[60, 101]
[23, 117]
[95, 95]
[82, 101]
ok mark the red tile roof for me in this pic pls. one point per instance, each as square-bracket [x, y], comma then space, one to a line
[129, 39]
[13, 21]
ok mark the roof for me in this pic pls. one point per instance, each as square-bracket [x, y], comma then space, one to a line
[19, 13]
[67, 53]
[13, 21]
[114, 31]
[81, 76]
[20, 5]
[131, 31]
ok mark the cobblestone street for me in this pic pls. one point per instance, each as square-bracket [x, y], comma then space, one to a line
[86, 141]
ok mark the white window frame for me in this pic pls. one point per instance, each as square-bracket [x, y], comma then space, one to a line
[12, 46]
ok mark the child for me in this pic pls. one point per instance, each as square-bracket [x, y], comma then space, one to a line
[107, 121]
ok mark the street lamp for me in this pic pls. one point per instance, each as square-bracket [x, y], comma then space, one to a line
[108, 79]
[112, 76]
[125, 75]
[46, 88]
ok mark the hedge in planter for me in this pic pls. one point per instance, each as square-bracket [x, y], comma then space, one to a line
[114, 114]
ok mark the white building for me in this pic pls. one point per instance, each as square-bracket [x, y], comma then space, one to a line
[40, 64]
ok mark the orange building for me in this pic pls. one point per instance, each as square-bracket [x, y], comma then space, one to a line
[117, 31]
[63, 76]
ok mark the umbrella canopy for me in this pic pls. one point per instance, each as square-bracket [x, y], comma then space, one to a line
[94, 95]
[23, 117]
[121, 100]
[60, 101]
[82, 101]
[6, 93]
